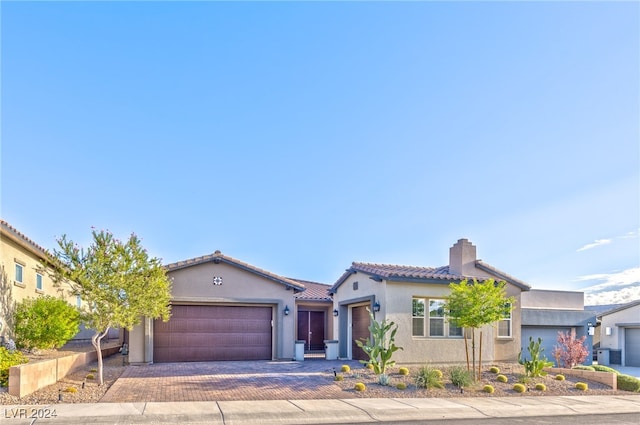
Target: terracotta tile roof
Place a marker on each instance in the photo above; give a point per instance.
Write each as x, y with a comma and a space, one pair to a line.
10, 232
314, 291
395, 272
218, 257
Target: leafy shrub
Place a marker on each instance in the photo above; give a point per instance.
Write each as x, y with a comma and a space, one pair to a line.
581, 367
90, 376
534, 366
488, 389
541, 387
599, 368
460, 376
559, 378
628, 383
582, 386
45, 322
429, 377
519, 388
360, 387
71, 390
502, 378
345, 368
9, 358
338, 378
494, 369
570, 351
401, 386
403, 371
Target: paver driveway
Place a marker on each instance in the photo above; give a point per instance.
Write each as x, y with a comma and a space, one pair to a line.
223, 381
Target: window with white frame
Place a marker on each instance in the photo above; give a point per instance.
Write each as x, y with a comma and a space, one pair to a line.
78, 301
19, 269
39, 284
504, 325
430, 319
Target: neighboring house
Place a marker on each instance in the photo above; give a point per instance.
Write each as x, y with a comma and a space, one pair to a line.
620, 335
412, 297
225, 309
545, 313
24, 267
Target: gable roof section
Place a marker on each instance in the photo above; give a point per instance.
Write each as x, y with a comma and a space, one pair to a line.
217, 258
314, 291
620, 308
394, 272
11, 233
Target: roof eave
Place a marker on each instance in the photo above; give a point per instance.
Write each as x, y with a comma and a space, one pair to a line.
217, 259
502, 275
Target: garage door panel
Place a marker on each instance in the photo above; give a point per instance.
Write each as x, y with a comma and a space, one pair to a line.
632, 347
206, 333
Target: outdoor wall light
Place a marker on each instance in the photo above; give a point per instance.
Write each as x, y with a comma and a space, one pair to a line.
286, 310
376, 307
335, 313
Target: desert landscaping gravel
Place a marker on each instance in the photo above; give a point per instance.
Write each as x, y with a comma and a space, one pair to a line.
113, 368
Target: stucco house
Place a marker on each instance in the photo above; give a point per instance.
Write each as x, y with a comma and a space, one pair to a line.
226, 309
620, 335
412, 297
23, 274
546, 312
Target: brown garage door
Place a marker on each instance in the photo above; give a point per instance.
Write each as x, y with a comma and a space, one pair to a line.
359, 330
198, 333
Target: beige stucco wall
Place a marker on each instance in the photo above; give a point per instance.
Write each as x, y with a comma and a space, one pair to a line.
346, 298
553, 300
11, 291
396, 305
194, 285
616, 339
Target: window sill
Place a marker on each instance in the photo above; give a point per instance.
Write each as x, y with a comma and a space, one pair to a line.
505, 338
19, 284
437, 337
39, 291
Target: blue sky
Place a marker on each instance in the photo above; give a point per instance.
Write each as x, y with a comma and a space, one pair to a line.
302, 136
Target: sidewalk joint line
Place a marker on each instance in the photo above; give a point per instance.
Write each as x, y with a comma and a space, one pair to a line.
221, 413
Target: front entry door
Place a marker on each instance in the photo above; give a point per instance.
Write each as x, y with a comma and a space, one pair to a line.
359, 330
311, 329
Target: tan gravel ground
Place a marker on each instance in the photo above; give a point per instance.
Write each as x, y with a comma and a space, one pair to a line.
513, 371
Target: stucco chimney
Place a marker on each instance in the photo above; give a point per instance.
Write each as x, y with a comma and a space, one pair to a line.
462, 258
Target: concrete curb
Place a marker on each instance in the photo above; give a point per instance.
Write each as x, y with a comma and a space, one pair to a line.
285, 412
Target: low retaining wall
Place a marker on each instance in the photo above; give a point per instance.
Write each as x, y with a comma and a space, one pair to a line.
606, 378
29, 377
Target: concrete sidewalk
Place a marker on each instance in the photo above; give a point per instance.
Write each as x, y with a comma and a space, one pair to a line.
283, 412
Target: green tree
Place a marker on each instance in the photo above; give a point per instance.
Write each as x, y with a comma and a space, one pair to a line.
475, 304
118, 282
45, 322
381, 347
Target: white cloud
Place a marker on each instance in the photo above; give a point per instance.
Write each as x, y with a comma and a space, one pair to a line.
630, 235
597, 242
611, 280
622, 296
